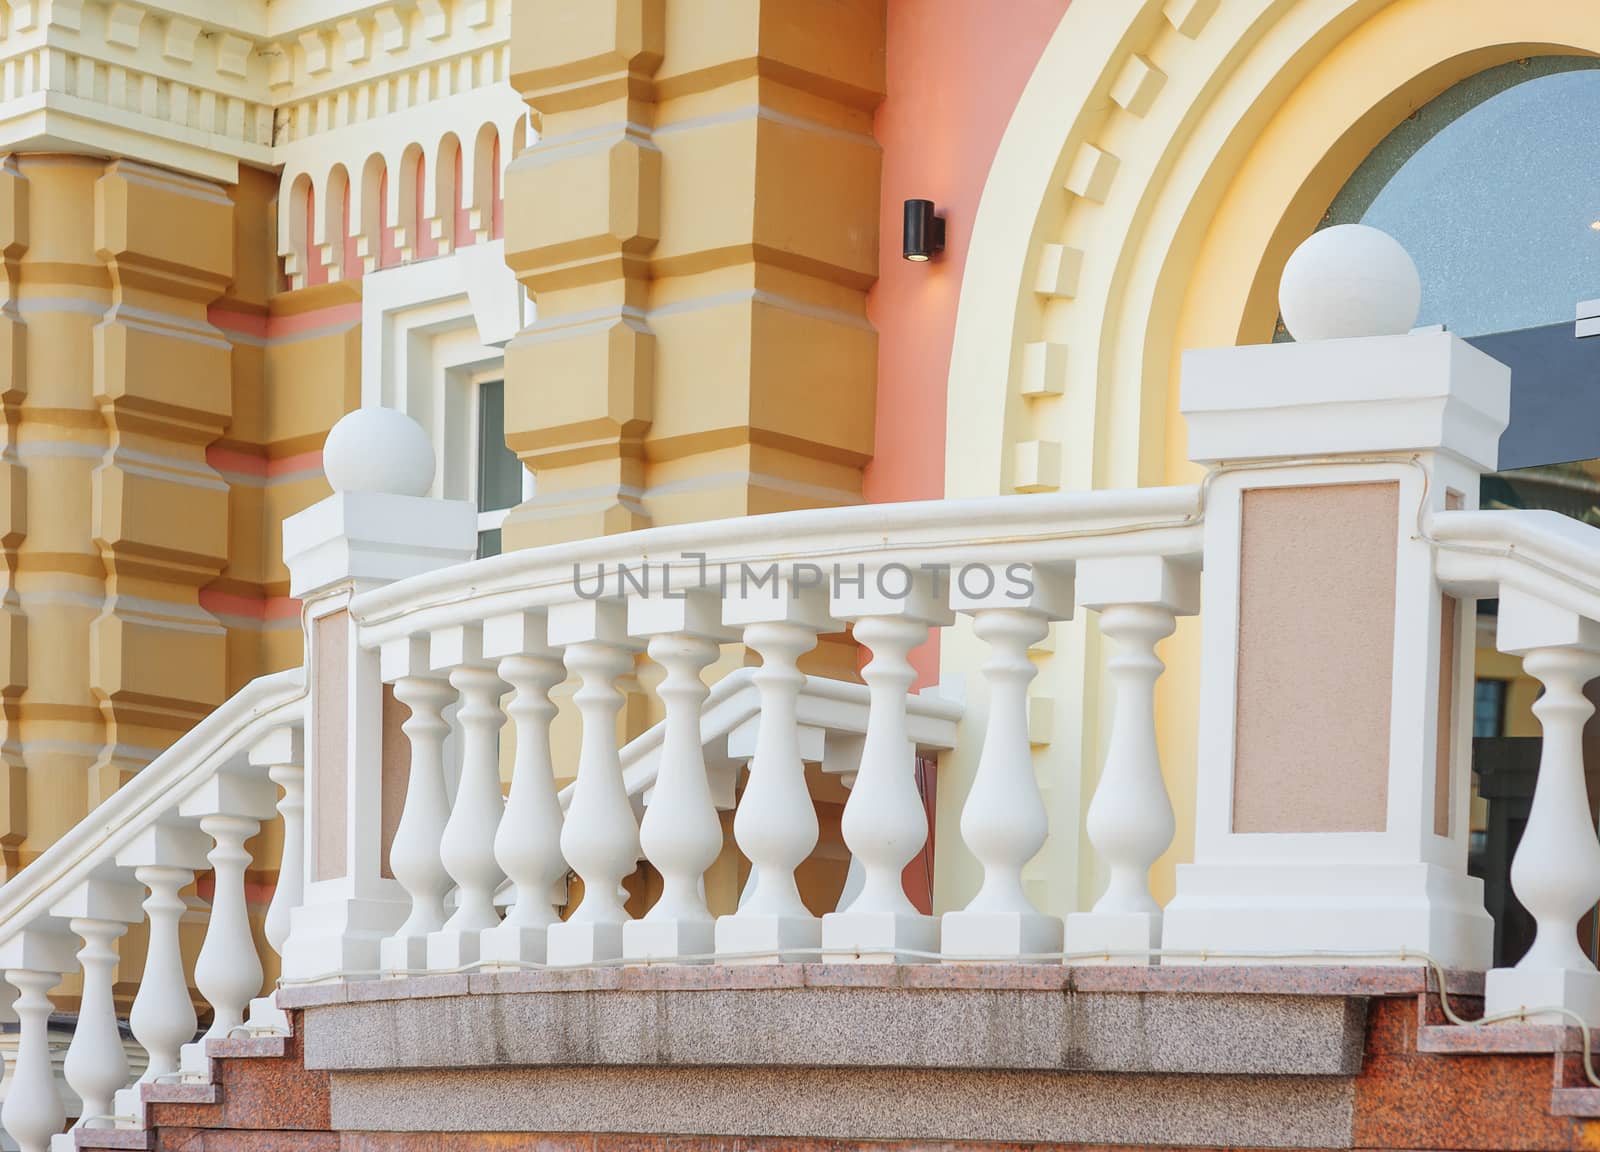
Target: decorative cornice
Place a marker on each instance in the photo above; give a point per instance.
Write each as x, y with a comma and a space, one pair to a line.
204, 85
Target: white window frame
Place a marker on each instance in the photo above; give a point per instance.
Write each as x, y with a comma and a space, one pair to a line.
493, 518
431, 332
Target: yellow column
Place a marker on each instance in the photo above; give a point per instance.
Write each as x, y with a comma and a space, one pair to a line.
699, 226
112, 384
13, 513
162, 382
62, 291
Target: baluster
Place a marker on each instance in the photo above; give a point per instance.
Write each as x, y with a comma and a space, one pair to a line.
841, 757
414, 853
163, 1016
228, 971
681, 834
230, 808
775, 825
32, 1113
96, 1066
528, 844
1556, 873
1130, 820
1004, 822
33, 961
164, 859
281, 754
467, 847
884, 823
600, 839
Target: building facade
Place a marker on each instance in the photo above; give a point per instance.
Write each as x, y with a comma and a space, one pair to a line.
637, 264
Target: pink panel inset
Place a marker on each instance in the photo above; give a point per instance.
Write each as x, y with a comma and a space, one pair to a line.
330, 715
1316, 658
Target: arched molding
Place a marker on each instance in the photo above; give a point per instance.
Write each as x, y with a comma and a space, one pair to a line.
1164, 159
1142, 124
377, 163
441, 193
332, 222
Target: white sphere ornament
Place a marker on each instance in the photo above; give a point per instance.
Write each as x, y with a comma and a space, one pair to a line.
378, 450
1349, 280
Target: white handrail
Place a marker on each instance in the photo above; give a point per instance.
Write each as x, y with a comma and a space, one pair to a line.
1033, 529
221, 738
1541, 552
1544, 568
832, 705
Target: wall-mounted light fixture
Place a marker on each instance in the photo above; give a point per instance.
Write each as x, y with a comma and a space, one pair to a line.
923, 238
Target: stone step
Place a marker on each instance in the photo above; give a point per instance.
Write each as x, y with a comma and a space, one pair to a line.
1501, 1039
179, 1092
112, 1137
1575, 1102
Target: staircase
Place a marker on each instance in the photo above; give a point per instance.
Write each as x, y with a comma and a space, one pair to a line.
1248, 1057
1280, 999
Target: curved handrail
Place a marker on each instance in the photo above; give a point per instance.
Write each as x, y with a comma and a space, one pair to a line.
734, 700
1056, 527
220, 738
1541, 552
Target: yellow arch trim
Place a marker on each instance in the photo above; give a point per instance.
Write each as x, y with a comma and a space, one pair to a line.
1263, 109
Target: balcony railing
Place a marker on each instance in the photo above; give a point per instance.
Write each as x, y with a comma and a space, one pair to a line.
1332, 553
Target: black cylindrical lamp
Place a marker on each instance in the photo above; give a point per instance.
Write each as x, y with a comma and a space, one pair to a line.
923, 236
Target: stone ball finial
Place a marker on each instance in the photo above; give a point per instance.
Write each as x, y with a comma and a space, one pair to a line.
1349, 280
378, 450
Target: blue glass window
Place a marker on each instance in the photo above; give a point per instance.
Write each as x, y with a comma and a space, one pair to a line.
1494, 188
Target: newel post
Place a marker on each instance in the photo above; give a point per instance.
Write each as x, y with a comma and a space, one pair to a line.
1336, 675
377, 527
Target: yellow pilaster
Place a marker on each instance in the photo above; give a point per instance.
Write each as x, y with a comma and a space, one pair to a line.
698, 225
163, 385
62, 292
13, 511
112, 384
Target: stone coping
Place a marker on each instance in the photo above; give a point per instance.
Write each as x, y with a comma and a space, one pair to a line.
178, 1093
123, 1138
1504, 1038
1575, 1102
246, 1046
1271, 979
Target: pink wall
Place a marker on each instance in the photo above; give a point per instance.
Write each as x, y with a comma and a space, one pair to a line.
955, 71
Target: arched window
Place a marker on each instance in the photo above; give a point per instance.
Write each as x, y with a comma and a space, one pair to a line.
1494, 188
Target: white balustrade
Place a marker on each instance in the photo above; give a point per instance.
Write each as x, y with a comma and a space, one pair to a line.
528, 843
600, 839
32, 1113
230, 809
33, 961
374, 562
96, 1065
1130, 820
283, 756
164, 858
192, 809
414, 853
1556, 873
163, 1018
841, 757
467, 847
775, 824
1003, 821
681, 834
884, 823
